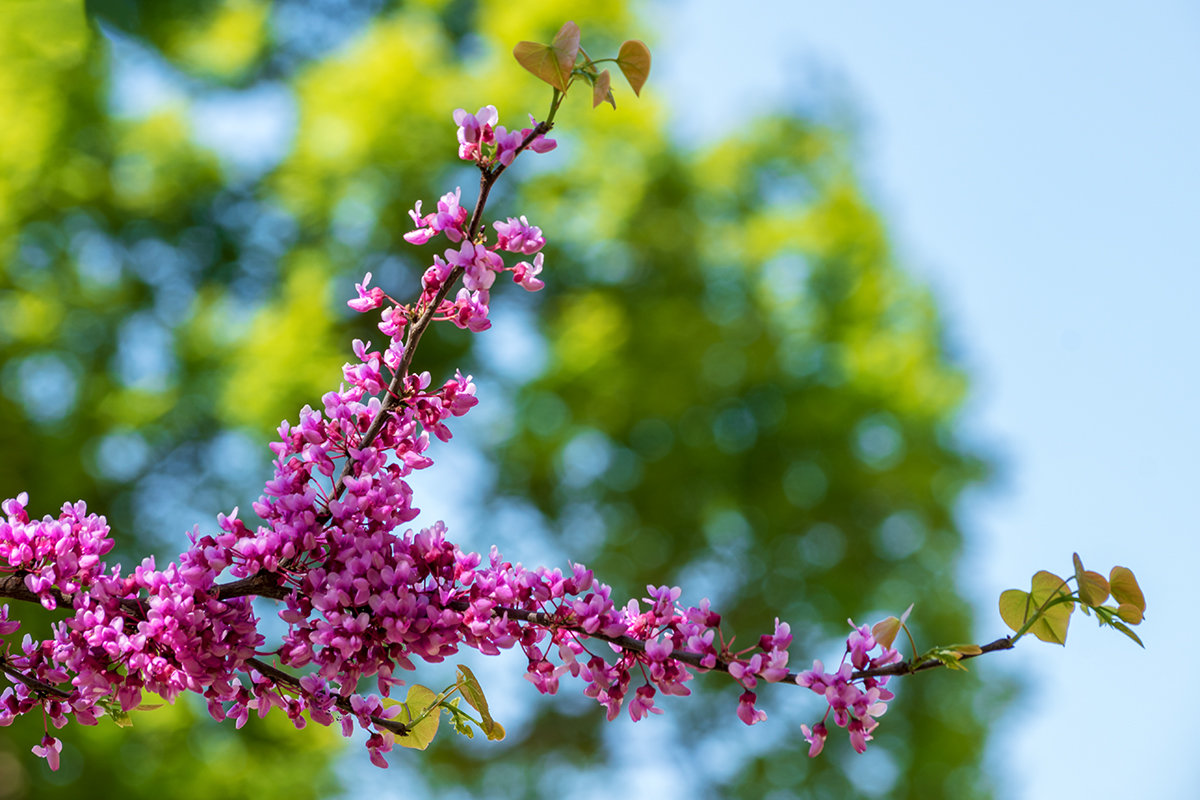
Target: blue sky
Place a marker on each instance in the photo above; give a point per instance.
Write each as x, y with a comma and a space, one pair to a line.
1038, 166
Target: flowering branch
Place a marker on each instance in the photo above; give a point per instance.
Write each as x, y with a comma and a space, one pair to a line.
362, 600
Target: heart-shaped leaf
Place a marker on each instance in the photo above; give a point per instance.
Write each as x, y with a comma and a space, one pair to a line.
551, 62
542, 61
1130, 613
1017, 607
1093, 588
1125, 588
566, 45
420, 699
634, 60
602, 91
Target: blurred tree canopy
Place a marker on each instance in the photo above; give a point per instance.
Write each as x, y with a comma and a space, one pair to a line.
728, 382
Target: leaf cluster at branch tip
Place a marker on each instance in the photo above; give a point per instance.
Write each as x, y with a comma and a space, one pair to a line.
1045, 610
563, 61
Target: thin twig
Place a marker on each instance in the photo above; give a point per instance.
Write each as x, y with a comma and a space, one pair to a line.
32, 683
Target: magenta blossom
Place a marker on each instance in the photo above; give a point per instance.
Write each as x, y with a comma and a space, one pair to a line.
518, 236
475, 130
526, 274
367, 300
449, 218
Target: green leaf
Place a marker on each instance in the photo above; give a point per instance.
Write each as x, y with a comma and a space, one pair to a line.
542, 61
460, 720
419, 701
1123, 628
566, 45
1130, 613
601, 90
1052, 627
551, 62
1093, 588
948, 656
634, 60
472, 692
120, 718
1125, 588
1017, 608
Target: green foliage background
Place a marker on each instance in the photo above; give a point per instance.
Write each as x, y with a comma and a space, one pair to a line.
730, 383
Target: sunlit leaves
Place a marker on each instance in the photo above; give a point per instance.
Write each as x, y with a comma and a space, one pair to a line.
1125, 588
473, 693
601, 90
634, 60
951, 656
1045, 610
1131, 606
551, 63
563, 60
1093, 588
420, 711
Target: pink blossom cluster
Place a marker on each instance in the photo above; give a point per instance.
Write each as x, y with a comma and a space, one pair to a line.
362, 598
158, 631
61, 553
482, 141
855, 705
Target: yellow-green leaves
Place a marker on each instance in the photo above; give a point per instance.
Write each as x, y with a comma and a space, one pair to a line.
602, 91
1093, 588
471, 691
1045, 610
951, 655
554, 62
884, 632
1125, 590
421, 712
563, 60
634, 60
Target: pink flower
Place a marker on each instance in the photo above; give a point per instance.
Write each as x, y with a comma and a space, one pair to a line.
643, 703
478, 265
367, 300
507, 145
49, 749
815, 738
475, 130
746, 712
526, 274
518, 236
541, 144
449, 218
